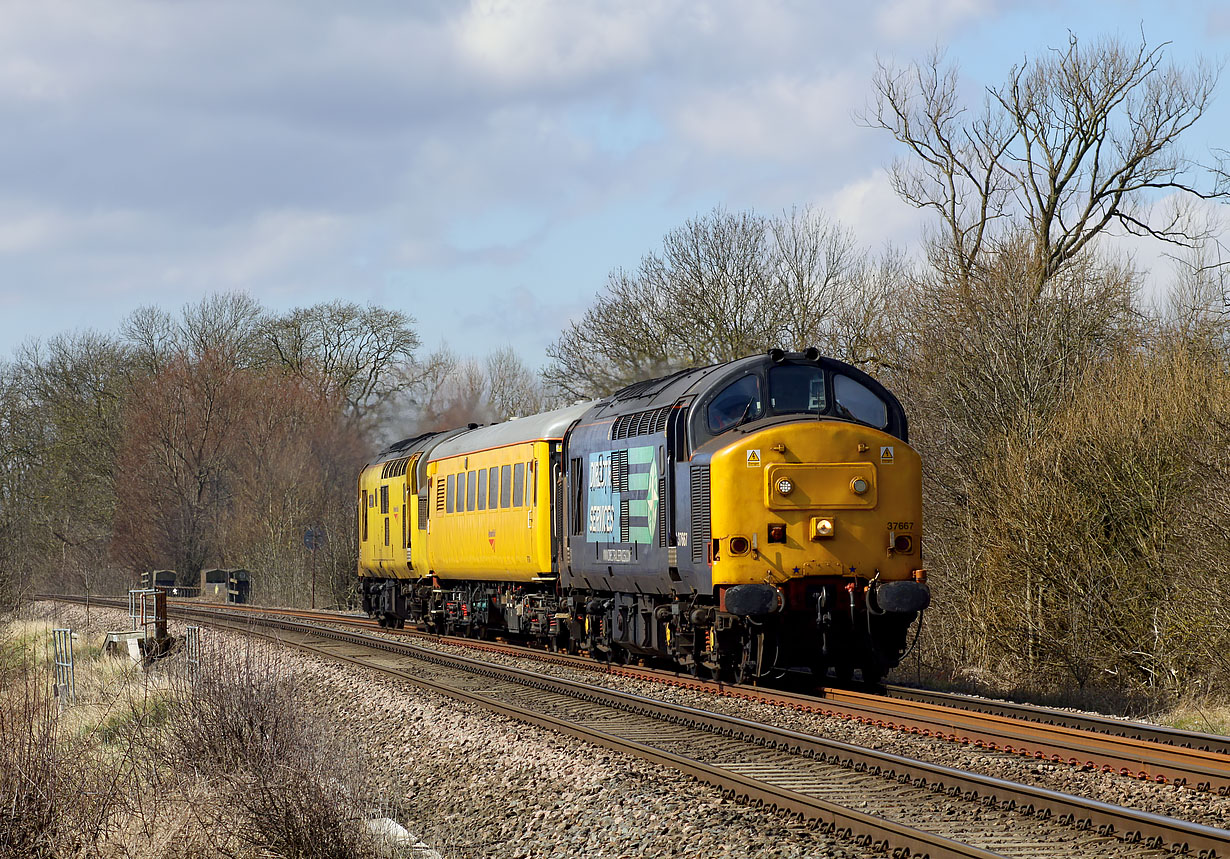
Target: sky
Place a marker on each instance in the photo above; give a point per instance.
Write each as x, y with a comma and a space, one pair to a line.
482, 166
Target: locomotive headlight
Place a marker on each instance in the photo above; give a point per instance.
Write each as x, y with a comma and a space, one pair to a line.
821, 528
785, 486
858, 486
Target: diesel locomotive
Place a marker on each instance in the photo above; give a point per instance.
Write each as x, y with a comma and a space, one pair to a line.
738, 520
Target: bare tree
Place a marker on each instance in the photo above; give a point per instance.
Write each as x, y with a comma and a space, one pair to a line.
225, 325
1076, 141
512, 389
451, 391
724, 285
342, 349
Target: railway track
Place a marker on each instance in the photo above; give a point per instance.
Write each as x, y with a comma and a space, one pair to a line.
1131, 749
902, 804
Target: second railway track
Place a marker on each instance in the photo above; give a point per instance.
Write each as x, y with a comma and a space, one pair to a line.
1147, 752
879, 798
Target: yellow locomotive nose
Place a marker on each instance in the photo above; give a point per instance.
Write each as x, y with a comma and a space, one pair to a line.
824, 499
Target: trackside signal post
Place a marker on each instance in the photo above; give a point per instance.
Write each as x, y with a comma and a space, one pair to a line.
313, 539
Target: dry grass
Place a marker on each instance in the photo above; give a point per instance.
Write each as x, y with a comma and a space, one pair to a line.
1204, 711
143, 765
1203, 716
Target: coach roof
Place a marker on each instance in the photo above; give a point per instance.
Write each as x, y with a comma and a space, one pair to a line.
548, 425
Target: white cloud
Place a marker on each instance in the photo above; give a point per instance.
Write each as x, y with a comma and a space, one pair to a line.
876, 215
27, 227
781, 117
536, 42
273, 244
906, 20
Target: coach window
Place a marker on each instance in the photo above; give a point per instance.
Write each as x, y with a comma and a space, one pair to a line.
531, 491
519, 484
471, 488
482, 489
493, 487
856, 401
505, 485
448, 494
738, 403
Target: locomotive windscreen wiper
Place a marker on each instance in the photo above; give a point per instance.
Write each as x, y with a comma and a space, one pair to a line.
746, 411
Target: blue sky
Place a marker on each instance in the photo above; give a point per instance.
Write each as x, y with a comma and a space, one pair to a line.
482, 166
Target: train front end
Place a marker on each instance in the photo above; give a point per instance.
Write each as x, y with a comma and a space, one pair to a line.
815, 520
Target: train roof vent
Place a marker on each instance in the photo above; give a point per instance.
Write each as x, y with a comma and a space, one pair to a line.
394, 468
647, 422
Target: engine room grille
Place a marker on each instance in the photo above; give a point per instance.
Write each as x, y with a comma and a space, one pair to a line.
424, 512
440, 486
394, 468
700, 512
663, 502
619, 470
641, 423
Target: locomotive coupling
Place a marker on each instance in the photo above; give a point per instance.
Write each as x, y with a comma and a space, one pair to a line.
901, 597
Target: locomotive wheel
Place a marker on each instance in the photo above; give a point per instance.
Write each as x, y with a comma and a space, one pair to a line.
843, 672
745, 668
872, 675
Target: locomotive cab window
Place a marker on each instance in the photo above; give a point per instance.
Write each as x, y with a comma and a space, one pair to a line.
856, 401
738, 403
796, 389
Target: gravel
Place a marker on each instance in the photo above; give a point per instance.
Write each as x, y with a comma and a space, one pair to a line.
471, 783
1183, 803
477, 784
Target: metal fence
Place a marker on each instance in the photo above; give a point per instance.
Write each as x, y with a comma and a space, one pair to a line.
141, 603
66, 675
192, 652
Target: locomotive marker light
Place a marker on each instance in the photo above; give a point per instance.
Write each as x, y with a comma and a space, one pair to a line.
785, 486
821, 528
